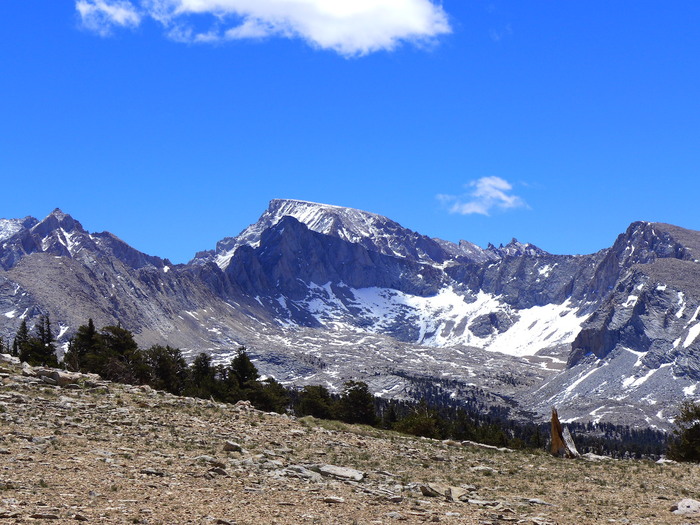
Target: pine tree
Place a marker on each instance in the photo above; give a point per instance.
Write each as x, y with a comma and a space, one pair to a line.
20, 345
85, 342
356, 404
168, 368
202, 377
685, 446
316, 401
243, 368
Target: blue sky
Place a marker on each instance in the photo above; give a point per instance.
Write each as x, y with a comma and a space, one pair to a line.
172, 123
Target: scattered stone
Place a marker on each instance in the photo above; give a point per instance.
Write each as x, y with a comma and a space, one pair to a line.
595, 457
483, 468
483, 503
211, 461
218, 471
231, 446
434, 490
6, 514
152, 472
80, 517
44, 516
458, 493
333, 499
687, 507
537, 501
396, 516
341, 473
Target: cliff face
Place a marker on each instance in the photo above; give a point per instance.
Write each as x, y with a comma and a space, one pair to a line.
321, 293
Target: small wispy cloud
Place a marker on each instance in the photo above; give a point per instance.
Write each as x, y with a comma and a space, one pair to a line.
485, 195
349, 27
102, 16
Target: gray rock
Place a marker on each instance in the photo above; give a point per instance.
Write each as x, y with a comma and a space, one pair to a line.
687, 507
341, 473
434, 490
232, 446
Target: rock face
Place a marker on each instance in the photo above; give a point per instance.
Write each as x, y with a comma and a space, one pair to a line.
321, 293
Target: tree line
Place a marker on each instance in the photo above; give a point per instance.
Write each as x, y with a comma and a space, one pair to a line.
113, 353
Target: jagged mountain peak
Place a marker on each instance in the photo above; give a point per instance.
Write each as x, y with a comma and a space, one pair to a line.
644, 242
373, 231
515, 248
57, 220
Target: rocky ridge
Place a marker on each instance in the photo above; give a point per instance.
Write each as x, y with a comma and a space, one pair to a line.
320, 294
75, 448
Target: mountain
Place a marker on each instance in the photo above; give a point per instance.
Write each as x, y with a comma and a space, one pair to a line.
320, 294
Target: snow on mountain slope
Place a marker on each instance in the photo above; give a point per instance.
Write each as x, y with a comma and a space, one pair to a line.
11, 227
445, 319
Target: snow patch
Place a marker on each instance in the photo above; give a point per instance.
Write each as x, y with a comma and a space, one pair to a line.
681, 304
631, 301
634, 382
693, 333
690, 390
11, 314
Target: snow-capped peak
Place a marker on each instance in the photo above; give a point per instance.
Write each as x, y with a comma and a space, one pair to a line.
375, 232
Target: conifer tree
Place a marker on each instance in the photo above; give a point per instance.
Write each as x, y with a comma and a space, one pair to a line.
356, 404
21, 340
243, 368
685, 445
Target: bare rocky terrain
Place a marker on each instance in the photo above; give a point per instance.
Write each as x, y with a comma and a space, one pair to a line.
74, 448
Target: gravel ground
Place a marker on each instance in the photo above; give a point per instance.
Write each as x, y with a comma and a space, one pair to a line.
98, 452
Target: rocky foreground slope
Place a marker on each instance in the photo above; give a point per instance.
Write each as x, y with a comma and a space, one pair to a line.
85, 450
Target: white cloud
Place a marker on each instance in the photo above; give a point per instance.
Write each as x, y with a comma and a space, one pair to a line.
349, 27
485, 195
101, 16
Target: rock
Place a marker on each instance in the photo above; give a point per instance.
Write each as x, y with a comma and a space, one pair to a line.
483, 503
434, 490
457, 493
537, 501
595, 457
44, 516
57, 377
482, 468
333, 499
211, 460
7, 358
218, 471
80, 517
687, 507
297, 471
341, 473
232, 446
396, 516
152, 472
